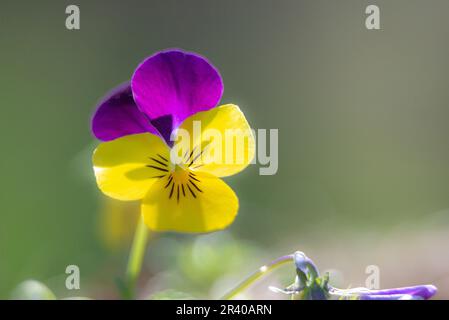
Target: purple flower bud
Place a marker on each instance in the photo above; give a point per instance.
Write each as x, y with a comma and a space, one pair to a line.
305, 265
309, 285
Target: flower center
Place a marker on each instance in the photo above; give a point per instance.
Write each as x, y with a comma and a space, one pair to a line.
181, 182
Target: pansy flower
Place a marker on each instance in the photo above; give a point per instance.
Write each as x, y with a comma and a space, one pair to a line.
140, 124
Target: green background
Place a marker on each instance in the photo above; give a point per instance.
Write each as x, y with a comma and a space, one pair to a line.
363, 136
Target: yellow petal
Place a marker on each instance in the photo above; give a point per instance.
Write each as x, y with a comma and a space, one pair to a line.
184, 204
127, 167
220, 141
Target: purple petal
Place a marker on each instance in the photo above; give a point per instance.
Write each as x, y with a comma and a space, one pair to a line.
423, 292
414, 293
173, 85
117, 115
388, 297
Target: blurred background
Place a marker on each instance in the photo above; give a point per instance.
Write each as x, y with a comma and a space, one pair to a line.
362, 115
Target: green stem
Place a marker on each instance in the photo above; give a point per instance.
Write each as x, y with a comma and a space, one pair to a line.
256, 275
136, 256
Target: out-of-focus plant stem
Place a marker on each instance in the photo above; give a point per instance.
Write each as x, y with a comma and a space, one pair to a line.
136, 256
256, 275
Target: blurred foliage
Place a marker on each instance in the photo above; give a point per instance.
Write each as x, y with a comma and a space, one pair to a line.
171, 295
196, 265
118, 220
32, 290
